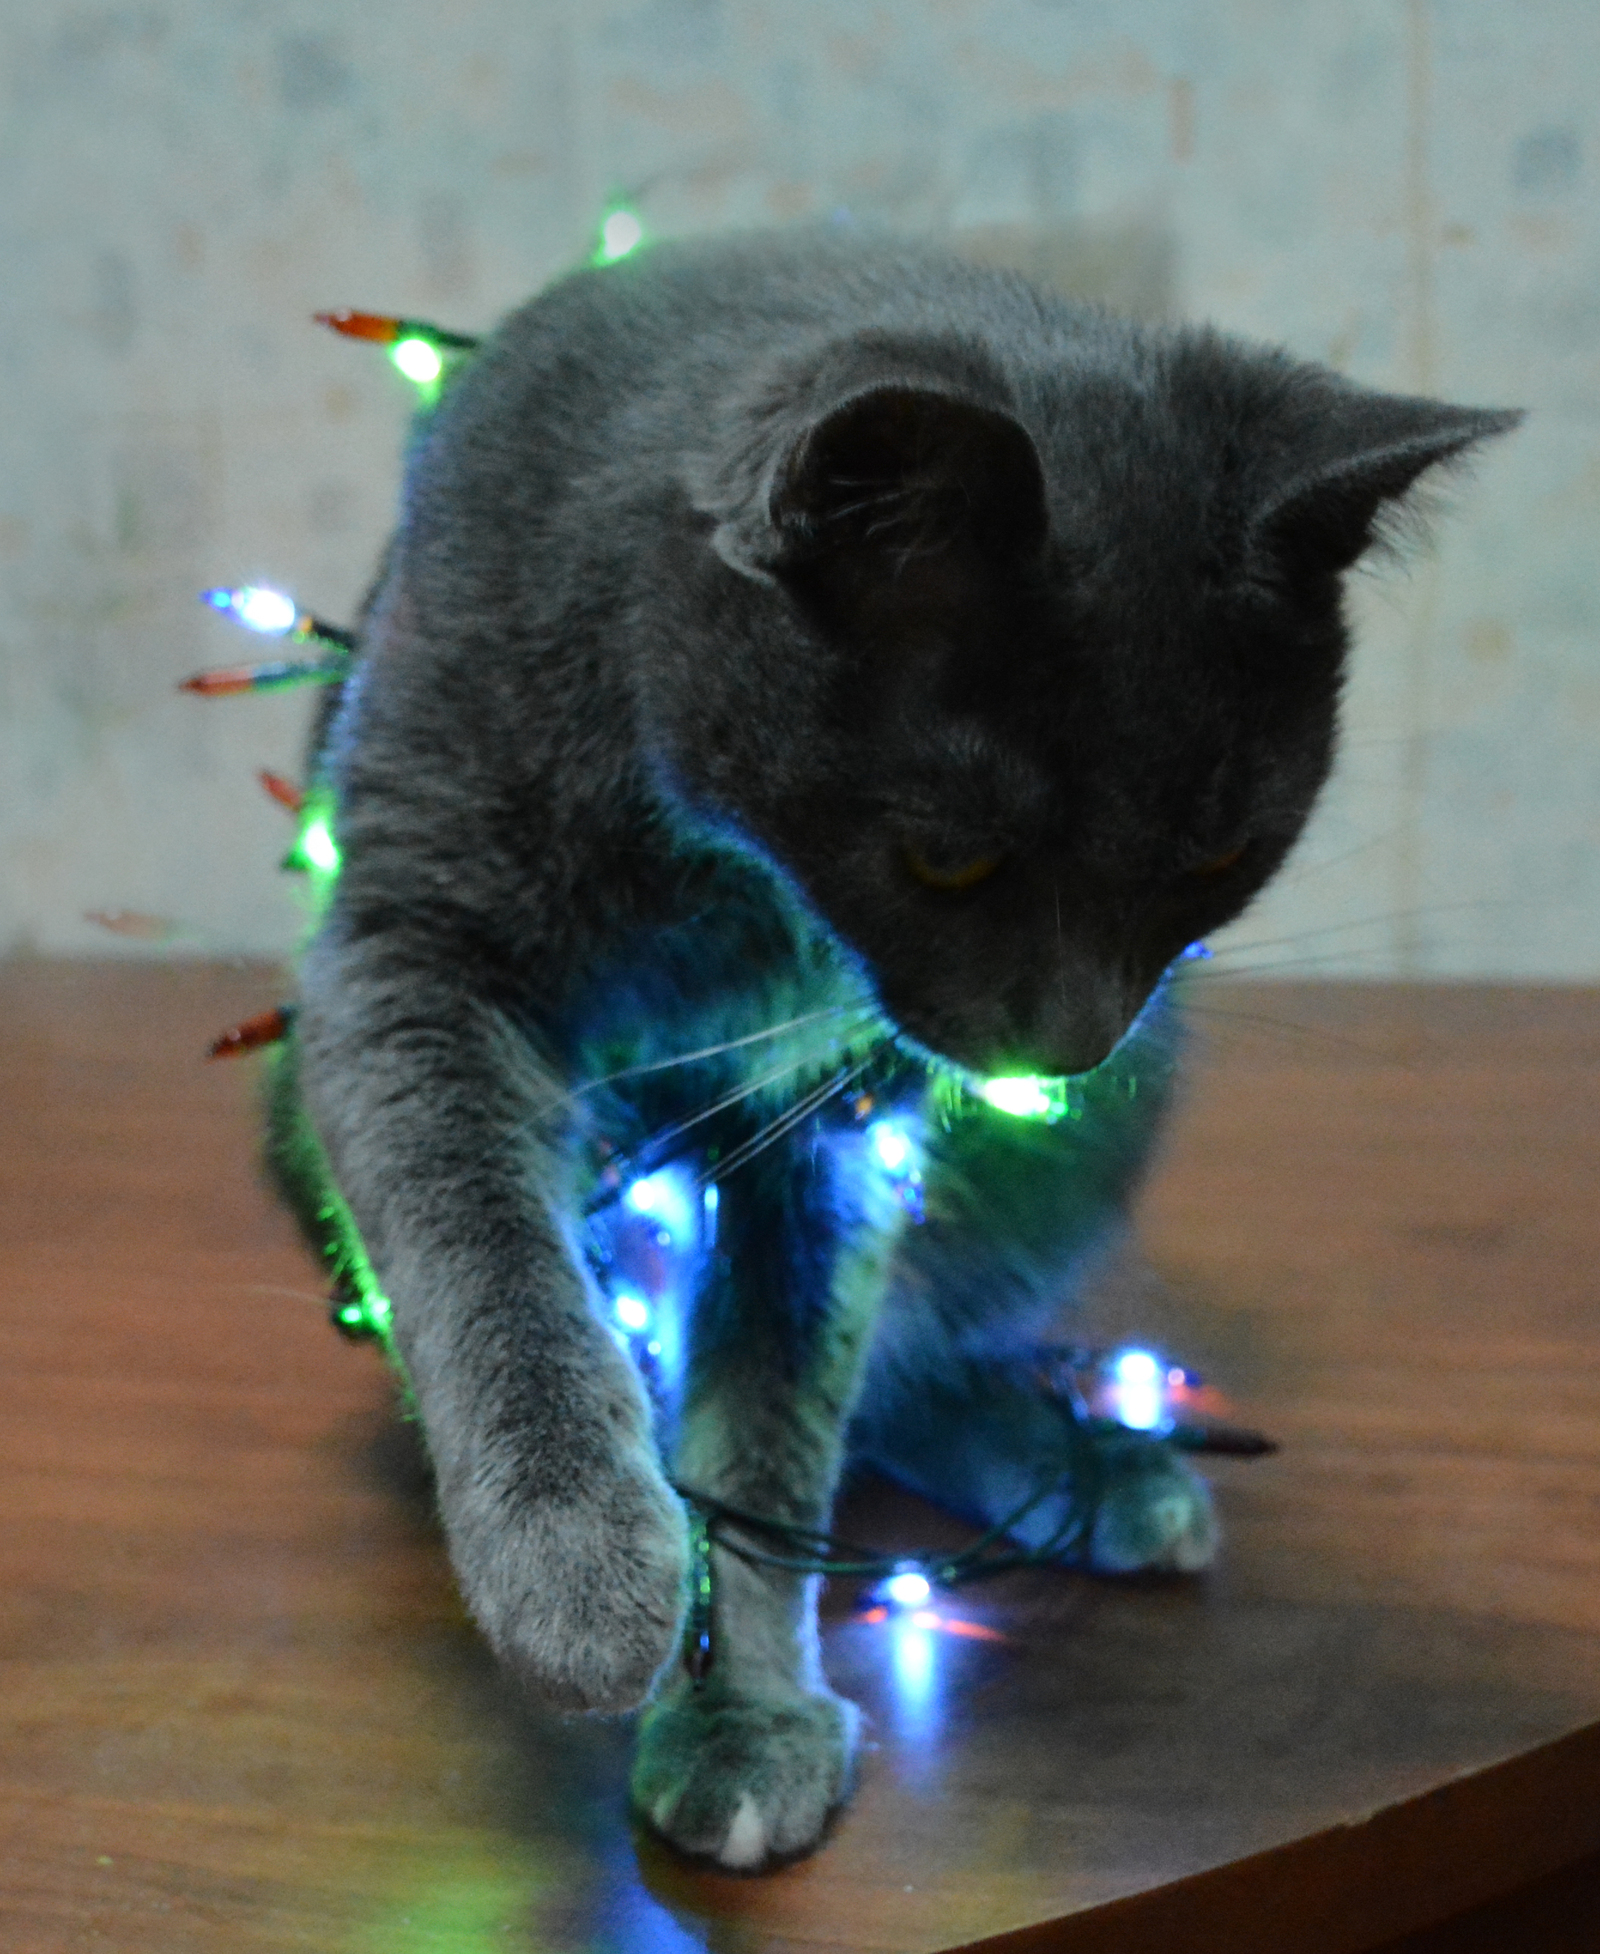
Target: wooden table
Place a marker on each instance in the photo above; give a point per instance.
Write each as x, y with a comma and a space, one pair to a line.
241, 1707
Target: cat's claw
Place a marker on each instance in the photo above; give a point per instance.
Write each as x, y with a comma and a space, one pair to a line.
744, 1783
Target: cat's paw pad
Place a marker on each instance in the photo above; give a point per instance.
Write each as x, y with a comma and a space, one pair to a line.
1154, 1516
742, 1782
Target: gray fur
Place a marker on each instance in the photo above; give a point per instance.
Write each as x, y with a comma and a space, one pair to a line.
731, 583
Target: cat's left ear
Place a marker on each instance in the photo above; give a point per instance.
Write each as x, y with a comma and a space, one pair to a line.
1374, 448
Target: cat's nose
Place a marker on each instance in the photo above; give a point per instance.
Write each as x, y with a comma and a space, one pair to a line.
1052, 1058
1079, 1028
1082, 1055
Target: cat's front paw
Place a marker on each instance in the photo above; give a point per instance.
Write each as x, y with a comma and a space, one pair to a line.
743, 1781
581, 1597
1154, 1516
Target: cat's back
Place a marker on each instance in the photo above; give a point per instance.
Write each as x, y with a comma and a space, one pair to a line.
609, 376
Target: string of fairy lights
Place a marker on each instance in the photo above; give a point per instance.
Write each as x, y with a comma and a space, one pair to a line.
1110, 1403
1140, 1389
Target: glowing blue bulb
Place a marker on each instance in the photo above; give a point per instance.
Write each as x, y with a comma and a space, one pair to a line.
1140, 1402
268, 611
646, 1196
1194, 951
907, 1589
890, 1145
632, 1312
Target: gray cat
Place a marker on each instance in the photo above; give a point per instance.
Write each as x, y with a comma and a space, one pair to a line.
805, 673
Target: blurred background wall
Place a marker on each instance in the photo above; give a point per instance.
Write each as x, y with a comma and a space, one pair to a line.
1406, 189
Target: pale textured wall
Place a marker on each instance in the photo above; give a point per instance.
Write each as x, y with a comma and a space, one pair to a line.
1406, 189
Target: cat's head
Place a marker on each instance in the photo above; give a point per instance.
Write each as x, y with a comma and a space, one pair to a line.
1035, 667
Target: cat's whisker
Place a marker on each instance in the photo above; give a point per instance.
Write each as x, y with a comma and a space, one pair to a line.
1369, 922
1298, 870
894, 493
864, 1015
778, 1128
1290, 1028
1225, 967
715, 1051
786, 1122
1338, 961
276, 1289
867, 502
752, 1086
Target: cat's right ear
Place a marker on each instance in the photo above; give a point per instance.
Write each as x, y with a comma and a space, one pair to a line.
1374, 449
895, 474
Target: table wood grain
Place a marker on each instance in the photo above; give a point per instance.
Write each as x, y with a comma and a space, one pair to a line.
241, 1706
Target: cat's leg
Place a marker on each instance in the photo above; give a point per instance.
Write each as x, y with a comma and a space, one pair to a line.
1017, 1209
982, 1438
450, 1140
745, 1766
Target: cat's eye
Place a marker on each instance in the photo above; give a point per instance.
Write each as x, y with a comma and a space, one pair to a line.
1221, 863
951, 873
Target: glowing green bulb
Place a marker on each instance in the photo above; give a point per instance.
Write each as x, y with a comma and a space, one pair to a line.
417, 359
361, 1309
377, 1311
319, 847
620, 233
1026, 1098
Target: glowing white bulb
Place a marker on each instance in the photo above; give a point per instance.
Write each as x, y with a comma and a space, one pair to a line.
268, 611
889, 1144
632, 1312
666, 1198
907, 1589
417, 359
619, 234
1136, 1390
265, 610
